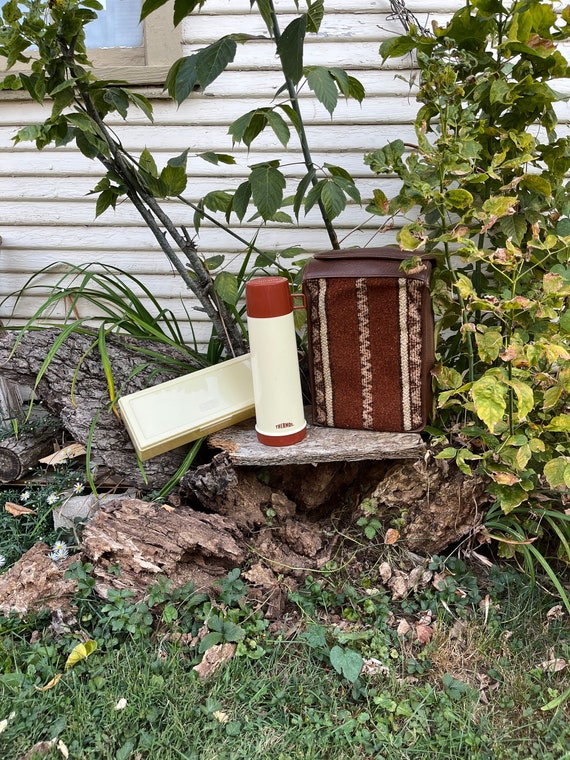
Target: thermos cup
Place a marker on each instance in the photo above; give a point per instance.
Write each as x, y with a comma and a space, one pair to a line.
279, 415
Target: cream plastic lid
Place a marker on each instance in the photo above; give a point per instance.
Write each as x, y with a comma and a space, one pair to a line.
171, 414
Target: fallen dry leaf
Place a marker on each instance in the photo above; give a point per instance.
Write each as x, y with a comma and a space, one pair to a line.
16, 510
372, 667
63, 749
424, 633
50, 684
168, 508
553, 666
213, 658
41, 748
221, 716
403, 627
392, 535
72, 451
121, 704
555, 613
385, 572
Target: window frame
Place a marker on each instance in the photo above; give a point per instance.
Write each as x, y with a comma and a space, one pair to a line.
144, 65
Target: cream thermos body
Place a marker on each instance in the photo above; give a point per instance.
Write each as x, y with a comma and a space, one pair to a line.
279, 414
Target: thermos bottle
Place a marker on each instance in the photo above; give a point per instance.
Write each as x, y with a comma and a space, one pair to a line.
279, 415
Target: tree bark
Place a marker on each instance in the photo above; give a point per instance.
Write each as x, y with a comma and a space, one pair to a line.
80, 394
22, 452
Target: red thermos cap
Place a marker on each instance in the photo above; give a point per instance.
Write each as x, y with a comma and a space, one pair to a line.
268, 297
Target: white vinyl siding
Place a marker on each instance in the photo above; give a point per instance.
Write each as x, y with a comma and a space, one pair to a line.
46, 214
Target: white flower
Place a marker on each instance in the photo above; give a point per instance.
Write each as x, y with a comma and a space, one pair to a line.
2, 560
25, 495
59, 551
78, 487
52, 498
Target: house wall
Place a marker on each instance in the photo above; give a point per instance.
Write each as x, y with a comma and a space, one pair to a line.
47, 216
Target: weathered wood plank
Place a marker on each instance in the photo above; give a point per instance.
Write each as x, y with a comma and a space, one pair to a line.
321, 445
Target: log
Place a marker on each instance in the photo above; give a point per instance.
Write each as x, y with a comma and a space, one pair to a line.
80, 396
18, 454
322, 444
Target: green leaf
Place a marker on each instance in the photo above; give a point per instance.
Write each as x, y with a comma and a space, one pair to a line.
267, 186
148, 164
565, 322
183, 8
174, 179
489, 396
213, 60
232, 631
489, 345
346, 662
463, 456
217, 158
333, 198
290, 49
501, 205
315, 15
396, 47
213, 262
248, 126
210, 640
182, 78
149, 6
226, 285
279, 126
448, 453
241, 199
300, 193
509, 497
217, 200
324, 86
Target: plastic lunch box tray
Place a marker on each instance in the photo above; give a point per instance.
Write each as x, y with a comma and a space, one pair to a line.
179, 411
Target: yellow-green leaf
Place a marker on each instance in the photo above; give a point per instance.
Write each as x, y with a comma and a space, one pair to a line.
80, 652
560, 424
557, 472
489, 345
525, 397
489, 396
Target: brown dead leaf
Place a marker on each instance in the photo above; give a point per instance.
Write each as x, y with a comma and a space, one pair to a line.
555, 613
168, 508
424, 633
373, 667
41, 748
72, 451
50, 684
213, 658
392, 535
403, 627
17, 510
554, 665
385, 572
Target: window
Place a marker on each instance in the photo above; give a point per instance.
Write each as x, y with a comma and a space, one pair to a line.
121, 48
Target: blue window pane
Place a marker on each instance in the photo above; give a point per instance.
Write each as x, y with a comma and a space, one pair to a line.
117, 25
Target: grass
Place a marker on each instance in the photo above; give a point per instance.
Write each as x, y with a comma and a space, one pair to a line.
461, 667
475, 690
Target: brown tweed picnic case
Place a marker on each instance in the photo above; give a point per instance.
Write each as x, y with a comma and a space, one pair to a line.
371, 339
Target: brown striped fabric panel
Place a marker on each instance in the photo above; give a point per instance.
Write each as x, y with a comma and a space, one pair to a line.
343, 342
415, 348
385, 344
366, 352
